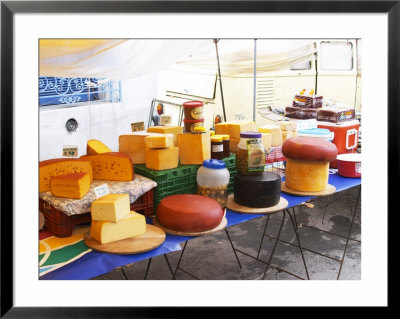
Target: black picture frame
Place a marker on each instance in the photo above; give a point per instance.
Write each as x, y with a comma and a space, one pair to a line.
9, 8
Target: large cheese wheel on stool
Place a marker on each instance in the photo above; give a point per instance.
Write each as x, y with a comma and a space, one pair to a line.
189, 213
307, 163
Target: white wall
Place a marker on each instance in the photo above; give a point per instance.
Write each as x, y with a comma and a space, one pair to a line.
103, 121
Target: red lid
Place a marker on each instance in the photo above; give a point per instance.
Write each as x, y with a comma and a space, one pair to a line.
193, 104
193, 121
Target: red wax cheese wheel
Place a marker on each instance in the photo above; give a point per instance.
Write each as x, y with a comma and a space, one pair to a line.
189, 213
309, 149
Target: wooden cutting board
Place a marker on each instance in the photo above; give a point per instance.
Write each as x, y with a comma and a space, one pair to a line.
232, 205
330, 189
153, 238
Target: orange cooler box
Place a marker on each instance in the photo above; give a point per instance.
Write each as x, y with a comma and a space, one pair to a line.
345, 136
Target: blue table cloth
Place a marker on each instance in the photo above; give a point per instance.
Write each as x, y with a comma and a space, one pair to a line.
94, 263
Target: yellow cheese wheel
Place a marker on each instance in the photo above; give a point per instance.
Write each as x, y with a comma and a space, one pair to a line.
306, 176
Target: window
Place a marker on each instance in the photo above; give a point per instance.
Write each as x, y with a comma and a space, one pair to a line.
336, 56
61, 91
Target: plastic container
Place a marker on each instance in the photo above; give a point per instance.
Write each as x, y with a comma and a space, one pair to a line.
250, 154
317, 132
345, 136
349, 165
193, 110
191, 124
199, 129
213, 180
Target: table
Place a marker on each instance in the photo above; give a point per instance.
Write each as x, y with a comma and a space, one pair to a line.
94, 264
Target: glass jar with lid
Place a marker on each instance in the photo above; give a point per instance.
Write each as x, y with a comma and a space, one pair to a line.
213, 179
217, 147
250, 154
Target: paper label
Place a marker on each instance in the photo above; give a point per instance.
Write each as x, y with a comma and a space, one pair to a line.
137, 126
256, 155
197, 112
217, 148
101, 190
165, 120
70, 151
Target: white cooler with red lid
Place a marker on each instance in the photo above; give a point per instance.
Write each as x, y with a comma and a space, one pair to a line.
345, 136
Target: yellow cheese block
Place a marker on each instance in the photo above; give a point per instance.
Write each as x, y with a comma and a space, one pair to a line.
306, 176
194, 148
133, 224
162, 158
74, 185
266, 140
134, 145
110, 207
276, 132
96, 147
112, 166
287, 134
233, 128
161, 141
167, 130
233, 145
287, 125
61, 166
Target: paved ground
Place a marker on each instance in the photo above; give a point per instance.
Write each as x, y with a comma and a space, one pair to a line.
322, 236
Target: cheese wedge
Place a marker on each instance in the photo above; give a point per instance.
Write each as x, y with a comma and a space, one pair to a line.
266, 140
61, 166
133, 224
113, 166
162, 158
276, 132
75, 185
110, 207
234, 128
194, 148
134, 145
167, 130
96, 147
287, 125
159, 141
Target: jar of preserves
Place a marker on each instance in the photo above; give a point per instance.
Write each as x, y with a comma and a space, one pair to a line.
213, 179
217, 147
250, 154
225, 143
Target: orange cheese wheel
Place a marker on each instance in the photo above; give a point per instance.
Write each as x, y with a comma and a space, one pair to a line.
309, 149
189, 213
112, 166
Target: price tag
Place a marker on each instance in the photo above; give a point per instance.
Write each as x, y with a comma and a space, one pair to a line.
70, 151
165, 120
137, 126
101, 190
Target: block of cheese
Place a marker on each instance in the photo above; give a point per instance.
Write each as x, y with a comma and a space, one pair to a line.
287, 125
133, 144
96, 147
113, 166
110, 207
194, 148
159, 141
233, 143
75, 185
266, 140
133, 224
162, 158
61, 166
233, 128
287, 134
167, 130
275, 130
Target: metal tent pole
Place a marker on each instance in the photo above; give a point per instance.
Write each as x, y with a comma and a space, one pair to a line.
255, 80
219, 77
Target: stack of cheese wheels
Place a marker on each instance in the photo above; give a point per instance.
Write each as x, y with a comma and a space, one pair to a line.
189, 213
307, 164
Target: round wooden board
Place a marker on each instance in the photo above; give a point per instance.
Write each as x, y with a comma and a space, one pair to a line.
232, 205
153, 238
221, 226
330, 189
